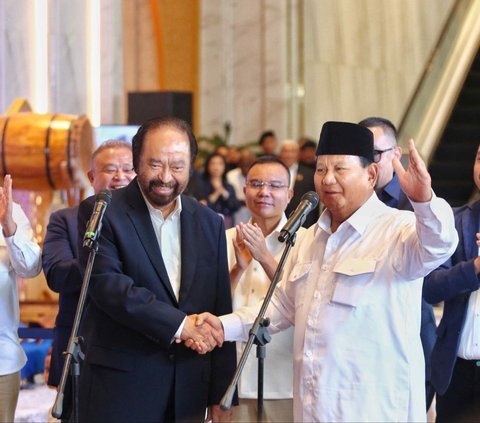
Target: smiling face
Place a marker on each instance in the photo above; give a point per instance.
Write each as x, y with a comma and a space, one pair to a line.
343, 184
112, 168
164, 166
266, 203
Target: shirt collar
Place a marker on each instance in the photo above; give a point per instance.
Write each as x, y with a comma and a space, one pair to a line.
358, 220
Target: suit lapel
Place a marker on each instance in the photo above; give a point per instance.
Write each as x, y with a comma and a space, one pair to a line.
189, 226
140, 217
470, 228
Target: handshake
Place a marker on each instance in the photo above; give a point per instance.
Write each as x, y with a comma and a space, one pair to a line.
202, 332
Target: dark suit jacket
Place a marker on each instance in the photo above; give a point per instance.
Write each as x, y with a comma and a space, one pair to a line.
132, 370
303, 183
393, 196
453, 282
61, 267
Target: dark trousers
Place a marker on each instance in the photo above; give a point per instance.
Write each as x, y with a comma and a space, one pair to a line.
461, 401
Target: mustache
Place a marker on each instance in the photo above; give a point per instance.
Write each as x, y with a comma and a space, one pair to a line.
161, 184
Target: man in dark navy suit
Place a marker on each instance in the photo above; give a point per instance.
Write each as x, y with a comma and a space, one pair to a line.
111, 167
301, 180
161, 260
390, 193
456, 355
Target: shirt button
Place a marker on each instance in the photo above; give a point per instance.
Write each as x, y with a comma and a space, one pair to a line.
324, 267
316, 294
308, 353
310, 322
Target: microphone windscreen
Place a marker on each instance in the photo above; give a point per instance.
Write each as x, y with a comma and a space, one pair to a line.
311, 197
104, 195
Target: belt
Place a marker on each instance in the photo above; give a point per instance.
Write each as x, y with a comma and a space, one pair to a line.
468, 362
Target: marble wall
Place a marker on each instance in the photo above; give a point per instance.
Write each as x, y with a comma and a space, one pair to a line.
67, 56
243, 68
365, 57
287, 65
292, 65
16, 43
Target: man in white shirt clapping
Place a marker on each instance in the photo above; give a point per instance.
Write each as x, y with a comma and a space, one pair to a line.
253, 254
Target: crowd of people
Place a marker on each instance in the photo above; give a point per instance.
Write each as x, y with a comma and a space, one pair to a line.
186, 256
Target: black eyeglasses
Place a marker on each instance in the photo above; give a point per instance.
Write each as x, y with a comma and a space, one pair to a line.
377, 154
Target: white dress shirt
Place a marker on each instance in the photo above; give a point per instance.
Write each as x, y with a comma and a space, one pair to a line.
250, 290
236, 179
354, 297
19, 256
469, 348
167, 232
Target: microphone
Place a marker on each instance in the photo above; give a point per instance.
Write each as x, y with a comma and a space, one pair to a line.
308, 202
94, 225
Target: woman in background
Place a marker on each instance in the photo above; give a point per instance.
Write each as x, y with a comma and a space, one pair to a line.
219, 195
19, 256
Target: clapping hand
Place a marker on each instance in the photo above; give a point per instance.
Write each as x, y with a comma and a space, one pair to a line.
6, 220
254, 240
242, 253
415, 182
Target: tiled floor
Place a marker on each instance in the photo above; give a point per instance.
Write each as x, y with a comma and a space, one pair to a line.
34, 405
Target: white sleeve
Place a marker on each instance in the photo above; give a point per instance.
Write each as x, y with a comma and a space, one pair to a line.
24, 252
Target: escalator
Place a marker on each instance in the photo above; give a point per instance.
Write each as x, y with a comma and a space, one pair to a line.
443, 115
451, 166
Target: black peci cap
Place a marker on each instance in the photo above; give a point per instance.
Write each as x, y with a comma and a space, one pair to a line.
346, 138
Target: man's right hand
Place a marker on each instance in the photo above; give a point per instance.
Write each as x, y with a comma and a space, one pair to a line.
210, 319
201, 337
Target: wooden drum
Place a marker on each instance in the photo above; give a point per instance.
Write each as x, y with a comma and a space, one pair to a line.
45, 151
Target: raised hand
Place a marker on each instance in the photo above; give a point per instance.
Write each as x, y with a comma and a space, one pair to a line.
6, 219
415, 182
203, 337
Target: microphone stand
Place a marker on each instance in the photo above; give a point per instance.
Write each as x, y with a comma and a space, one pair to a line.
258, 335
74, 353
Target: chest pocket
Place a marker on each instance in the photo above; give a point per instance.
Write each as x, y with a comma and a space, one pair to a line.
297, 282
354, 276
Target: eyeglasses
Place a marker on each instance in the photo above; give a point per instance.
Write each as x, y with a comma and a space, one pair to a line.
271, 186
377, 154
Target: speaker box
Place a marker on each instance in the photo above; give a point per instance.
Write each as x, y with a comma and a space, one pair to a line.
146, 105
